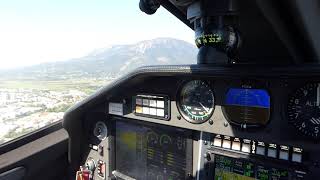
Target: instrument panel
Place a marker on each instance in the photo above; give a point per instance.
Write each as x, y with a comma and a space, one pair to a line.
253, 110
248, 105
268, 122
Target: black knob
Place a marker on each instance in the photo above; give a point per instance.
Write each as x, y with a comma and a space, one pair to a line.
149, 6
207, 156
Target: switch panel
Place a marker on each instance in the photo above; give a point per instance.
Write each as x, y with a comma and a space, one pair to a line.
101, 169
153, 106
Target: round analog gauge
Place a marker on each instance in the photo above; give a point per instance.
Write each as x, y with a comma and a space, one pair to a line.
152, 138
100, 130
165, 140
304, 109
196, 101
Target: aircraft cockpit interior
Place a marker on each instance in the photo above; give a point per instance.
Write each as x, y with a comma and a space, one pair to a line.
249, 109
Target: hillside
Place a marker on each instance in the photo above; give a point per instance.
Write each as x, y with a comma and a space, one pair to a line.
113, 61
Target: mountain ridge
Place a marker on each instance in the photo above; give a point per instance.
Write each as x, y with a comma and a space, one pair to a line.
113, 61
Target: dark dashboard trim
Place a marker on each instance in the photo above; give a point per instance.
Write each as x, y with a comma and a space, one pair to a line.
75, 115
22, 156
32, 136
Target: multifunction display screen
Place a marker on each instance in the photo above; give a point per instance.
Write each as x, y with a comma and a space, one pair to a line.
153, 152
247, 106
227, 168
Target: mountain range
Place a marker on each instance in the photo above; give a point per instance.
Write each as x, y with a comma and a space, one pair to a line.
113, 61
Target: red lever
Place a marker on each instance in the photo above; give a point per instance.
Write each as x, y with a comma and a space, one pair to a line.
83, 174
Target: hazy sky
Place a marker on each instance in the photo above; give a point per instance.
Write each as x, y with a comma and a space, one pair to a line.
35, 31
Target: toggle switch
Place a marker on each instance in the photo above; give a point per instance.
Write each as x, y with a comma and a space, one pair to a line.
100, 150
101, 167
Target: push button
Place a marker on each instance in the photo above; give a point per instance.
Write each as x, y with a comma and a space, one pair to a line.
246, 146
272, 150
297, 155
236, 144
284, 153
217, 141
261, 149
153, 103
160, 104
226, 142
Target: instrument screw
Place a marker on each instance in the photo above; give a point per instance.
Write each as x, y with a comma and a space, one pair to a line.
225, 124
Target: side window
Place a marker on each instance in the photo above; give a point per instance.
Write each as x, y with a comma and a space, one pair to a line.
56, 53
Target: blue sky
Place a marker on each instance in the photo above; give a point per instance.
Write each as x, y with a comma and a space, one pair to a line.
37, 31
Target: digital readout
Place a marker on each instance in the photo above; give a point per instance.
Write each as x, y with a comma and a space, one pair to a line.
227, 168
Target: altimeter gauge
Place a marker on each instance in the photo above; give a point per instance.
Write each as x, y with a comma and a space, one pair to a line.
304, 110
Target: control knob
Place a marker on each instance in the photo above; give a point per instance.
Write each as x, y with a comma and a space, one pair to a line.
90, 164
100, 130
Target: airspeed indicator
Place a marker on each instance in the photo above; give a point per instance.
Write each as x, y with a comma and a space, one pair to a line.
196, 101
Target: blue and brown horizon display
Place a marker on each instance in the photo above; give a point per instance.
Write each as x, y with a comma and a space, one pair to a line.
244, 106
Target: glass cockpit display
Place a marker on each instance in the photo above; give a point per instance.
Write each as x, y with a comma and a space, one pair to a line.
227, 168
247, 107
147, 153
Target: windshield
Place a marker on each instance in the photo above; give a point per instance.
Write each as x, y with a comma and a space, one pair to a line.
56, 53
